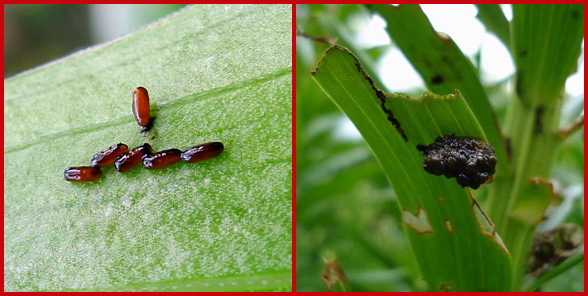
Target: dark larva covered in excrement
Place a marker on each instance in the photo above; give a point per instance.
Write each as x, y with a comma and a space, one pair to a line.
471, 161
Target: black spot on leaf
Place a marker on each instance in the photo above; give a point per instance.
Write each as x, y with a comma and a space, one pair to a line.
437, 79
575, 14
471, 161
538, 120
507, 145
519, 84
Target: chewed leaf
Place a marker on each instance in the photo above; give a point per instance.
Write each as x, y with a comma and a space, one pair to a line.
436, 212
419, 223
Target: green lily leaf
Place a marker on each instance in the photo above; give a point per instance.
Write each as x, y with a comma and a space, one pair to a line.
546, 47
442, 65
214, 73
455, 243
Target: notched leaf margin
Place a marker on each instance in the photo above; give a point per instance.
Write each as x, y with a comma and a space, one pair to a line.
379, 93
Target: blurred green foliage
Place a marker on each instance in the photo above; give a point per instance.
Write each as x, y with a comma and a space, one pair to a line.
38, 33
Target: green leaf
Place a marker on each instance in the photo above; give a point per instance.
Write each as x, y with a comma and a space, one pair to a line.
454, 242
494, 21
546, 46
546, 43
442, 65
214, 73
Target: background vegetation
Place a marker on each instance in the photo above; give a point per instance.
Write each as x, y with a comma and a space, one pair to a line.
344, 205
38, 33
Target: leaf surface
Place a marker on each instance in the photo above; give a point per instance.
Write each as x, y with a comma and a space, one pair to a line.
214, 73
454, 242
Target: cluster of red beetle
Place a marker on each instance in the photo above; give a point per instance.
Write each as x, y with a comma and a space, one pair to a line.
125, 160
